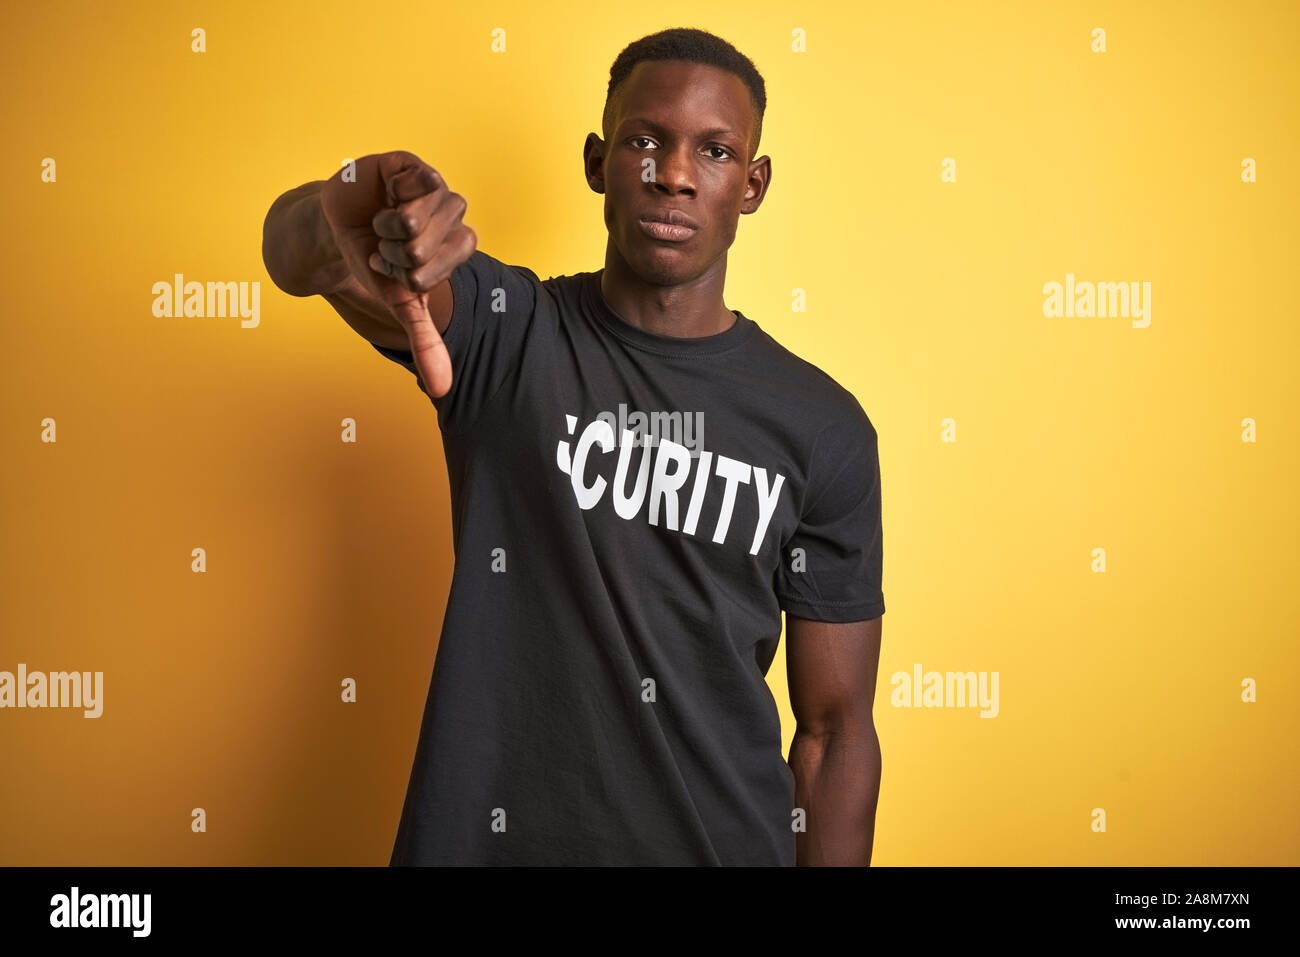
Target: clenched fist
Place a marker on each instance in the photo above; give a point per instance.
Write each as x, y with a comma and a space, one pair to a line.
399, 229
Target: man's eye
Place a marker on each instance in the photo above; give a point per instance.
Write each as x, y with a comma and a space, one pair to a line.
725, 152
635, 138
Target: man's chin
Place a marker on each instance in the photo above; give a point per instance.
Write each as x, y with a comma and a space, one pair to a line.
663, 265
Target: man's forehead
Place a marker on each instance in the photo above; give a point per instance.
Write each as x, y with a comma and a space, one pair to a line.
667, 89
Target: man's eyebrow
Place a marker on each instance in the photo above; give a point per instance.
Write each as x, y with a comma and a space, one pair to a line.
651, 124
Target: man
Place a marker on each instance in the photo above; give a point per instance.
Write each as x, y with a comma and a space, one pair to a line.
641, 480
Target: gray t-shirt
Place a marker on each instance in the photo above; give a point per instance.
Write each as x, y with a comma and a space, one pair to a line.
598, 694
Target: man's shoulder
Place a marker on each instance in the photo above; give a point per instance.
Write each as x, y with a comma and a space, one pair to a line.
821, 394
566, 283
486, 266
562, 291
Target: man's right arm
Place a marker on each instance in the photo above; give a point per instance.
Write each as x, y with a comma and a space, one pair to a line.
303, 259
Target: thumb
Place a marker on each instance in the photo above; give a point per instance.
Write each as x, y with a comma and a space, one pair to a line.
427, 348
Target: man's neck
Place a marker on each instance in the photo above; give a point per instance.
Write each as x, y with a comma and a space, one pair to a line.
689, 310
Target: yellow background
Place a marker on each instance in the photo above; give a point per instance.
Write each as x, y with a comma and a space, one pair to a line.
325, 560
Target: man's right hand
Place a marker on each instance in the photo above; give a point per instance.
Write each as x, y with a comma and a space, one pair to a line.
399, 230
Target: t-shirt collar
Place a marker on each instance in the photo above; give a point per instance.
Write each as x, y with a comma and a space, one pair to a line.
639, 338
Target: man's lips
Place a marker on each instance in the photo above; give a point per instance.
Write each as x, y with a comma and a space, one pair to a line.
673, 217
671, 225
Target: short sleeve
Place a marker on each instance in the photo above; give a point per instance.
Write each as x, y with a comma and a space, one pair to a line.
492, 306
831, 567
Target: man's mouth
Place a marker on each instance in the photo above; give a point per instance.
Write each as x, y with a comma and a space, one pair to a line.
671, 225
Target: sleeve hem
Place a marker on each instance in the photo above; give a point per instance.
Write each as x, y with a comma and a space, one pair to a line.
459, 305
833, 611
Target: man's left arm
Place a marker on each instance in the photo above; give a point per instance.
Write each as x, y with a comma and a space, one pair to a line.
835, 754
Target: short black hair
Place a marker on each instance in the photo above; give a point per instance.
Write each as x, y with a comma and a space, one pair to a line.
695, 46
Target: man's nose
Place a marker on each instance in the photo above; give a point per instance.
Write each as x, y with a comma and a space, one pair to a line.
674, 173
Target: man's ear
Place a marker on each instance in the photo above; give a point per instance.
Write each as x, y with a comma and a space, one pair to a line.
760, 178
593, 162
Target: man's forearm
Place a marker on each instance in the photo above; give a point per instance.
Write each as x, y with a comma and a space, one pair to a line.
837, 783
298, 246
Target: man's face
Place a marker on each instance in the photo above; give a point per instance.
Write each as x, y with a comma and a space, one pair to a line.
694, 124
